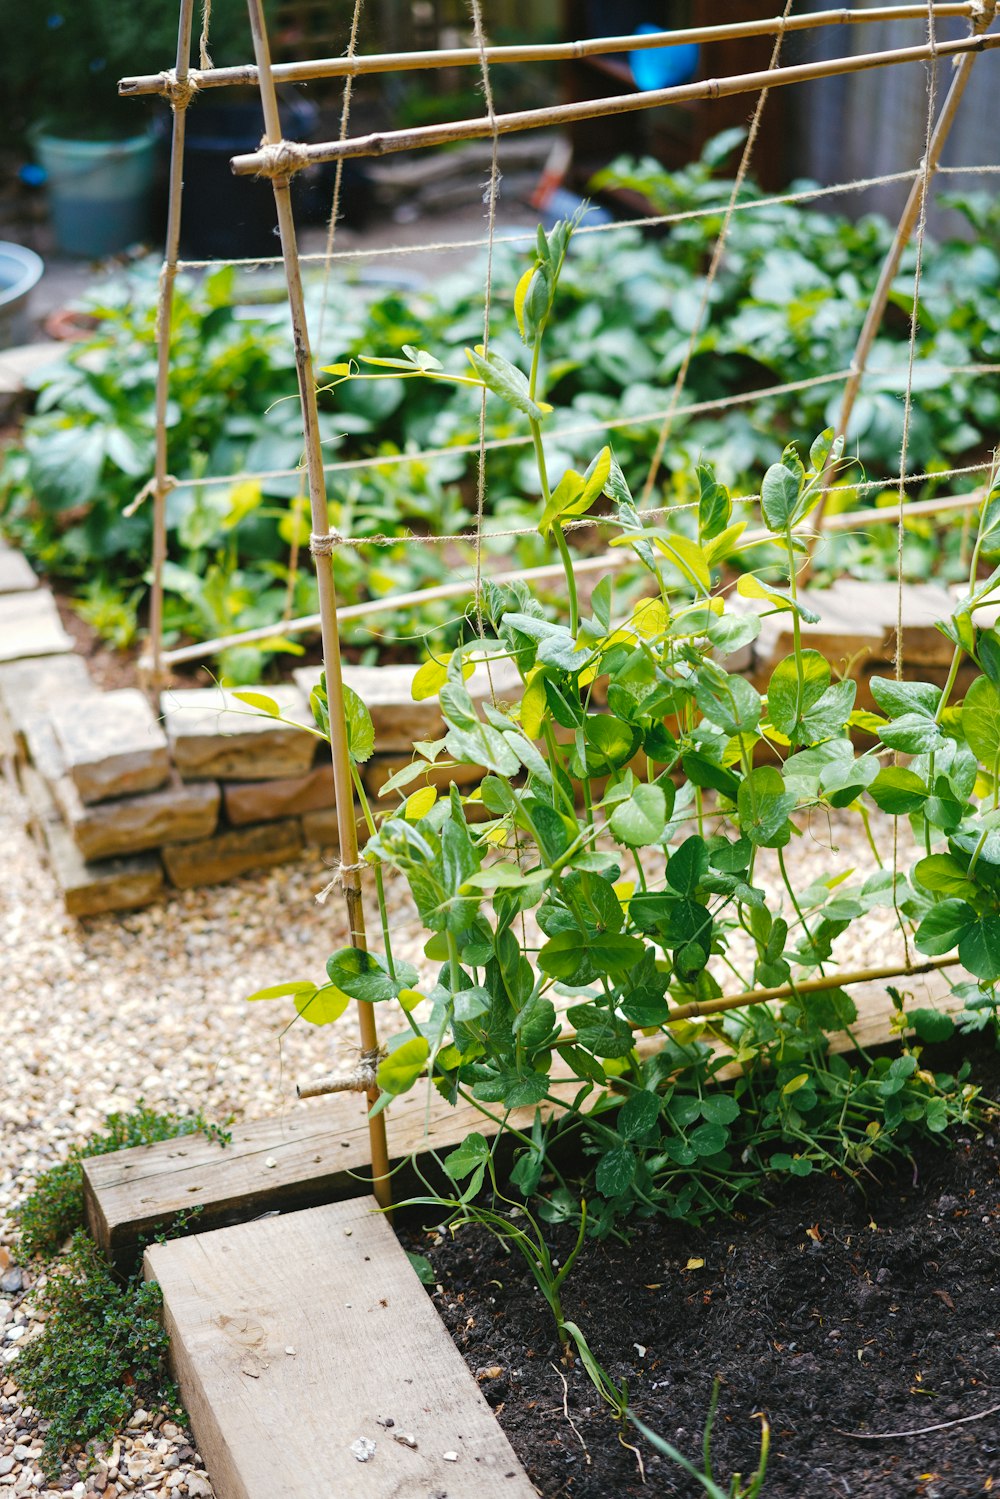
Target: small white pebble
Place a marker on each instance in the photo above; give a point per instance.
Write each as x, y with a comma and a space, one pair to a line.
450, 1457
639, 1349
407, 1439
270, 1163
290, 1352
348, 1304
348, 1232
363, 1449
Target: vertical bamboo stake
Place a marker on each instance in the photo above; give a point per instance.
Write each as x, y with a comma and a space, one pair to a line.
180, 97
904, 231
343, 786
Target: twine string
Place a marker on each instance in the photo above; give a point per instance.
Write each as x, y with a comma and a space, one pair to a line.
338, 176
204, 56
716, 261
649, 221
337, 880
491, 194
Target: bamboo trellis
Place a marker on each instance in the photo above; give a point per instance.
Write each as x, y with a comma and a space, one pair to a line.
280, 160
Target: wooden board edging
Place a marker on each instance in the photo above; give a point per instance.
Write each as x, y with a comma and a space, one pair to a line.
293, 1337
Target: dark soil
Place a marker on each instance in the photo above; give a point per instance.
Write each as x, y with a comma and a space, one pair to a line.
831, 1311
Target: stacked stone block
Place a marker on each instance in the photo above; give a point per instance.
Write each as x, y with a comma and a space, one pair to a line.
129, 803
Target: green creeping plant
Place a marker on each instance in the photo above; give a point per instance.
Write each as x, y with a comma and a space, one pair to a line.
607, 869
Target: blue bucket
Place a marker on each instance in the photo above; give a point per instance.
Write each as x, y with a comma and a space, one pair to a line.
99, 192
662, 67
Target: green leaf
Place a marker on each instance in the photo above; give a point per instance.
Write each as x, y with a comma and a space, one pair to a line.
943, 873
931, 1025
779, 496
896, 698
462, 1161
282, 991
569, 954
787, 701
708, 1138
323, 1006
714, 504
720, 1108
642, 819
534, 1024
404, 1066
575, 493
688, 865
943, 927
360, 730
763, 805
260, 701
638, 1115
361, 975
422, 1268
729, 702
507, 381
912, 733
515, 1089
979, 948
616, 1171
898, 791
980, 717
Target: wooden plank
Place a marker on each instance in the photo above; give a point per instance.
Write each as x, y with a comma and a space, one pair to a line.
293, 1337
857, 623
315, 1154
319, 1154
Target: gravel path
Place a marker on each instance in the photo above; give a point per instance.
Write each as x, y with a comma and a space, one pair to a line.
98, 1014
95, 1015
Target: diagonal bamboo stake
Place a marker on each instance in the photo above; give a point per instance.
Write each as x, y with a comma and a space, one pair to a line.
904, 232
151, 667
282, 158
467, 57
349, 871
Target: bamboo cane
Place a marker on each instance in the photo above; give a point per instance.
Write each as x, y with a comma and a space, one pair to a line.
151, 667
743, 1001
343, 786
459, 57
618, 557
880, 297
286, 157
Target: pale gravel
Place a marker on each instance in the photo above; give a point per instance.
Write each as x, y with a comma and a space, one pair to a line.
151, 1004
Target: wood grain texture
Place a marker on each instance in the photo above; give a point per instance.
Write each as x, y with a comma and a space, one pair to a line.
315, 1153
332, 1284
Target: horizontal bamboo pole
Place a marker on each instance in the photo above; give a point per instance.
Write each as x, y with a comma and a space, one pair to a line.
807, 986
464, 57
848, 520
743, 1001
286, 158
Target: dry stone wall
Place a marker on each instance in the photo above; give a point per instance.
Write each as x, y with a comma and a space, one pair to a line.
129, 802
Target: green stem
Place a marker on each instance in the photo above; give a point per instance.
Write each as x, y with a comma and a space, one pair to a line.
379, 885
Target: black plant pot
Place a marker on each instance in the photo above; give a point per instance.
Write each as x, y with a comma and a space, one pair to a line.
228, 217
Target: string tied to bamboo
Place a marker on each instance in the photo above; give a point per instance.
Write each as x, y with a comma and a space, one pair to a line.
337, 881
324, 544
152, 487
278, 159
179, 91
362, 1080
983, 14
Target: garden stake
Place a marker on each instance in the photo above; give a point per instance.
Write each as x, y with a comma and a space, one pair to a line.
907, 223
180, 92
458, 57
281, 158
322, 546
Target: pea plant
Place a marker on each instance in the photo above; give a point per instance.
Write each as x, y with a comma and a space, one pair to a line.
606, 878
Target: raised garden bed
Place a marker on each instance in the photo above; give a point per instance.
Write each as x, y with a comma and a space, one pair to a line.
832, 1308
